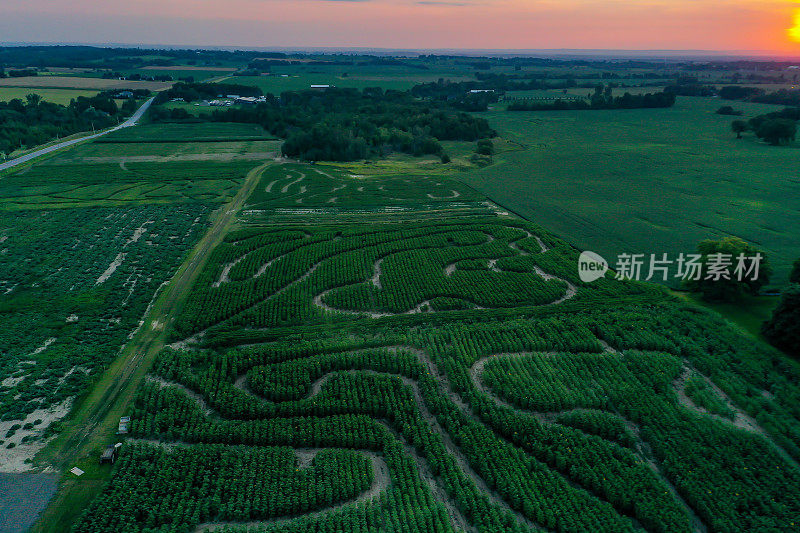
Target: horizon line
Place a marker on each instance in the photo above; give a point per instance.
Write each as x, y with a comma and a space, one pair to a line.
673, 53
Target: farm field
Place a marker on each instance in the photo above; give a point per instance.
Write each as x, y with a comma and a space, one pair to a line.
75, 283
76, 82
122, 183
447, 374
57, 96
647, 181
86, 247
166, 151
298, 77
385, 344
191, 132
277, 84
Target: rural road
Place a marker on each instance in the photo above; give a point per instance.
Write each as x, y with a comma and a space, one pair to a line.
38, 153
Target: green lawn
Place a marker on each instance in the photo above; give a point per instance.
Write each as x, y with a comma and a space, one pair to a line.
647, 181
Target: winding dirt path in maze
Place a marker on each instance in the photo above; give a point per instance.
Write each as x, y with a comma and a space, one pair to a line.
305, 456
740, 419
375, 279
571, 290
444, 387
642, 450
380, 484
425, 472
285, 188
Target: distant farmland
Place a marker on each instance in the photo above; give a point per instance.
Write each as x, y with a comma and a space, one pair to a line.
647, 181
57, 96
70, 82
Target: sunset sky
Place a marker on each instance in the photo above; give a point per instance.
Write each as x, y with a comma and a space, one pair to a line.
731, 25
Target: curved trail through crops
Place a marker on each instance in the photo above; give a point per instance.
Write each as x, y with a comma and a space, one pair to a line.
454, 194
431, 420
226, 270
642, 450
445, 388
296, 281
305, 457
285, 188
424, 470
570, 292
318, 300
380, 484
741, 419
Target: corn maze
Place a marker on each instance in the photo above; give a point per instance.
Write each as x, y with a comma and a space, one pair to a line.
443, 375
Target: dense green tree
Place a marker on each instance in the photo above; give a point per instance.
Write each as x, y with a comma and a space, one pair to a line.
783, 329
729, 270
739, 127
348, 124
777, 131
485, 147
728, 110
601, 99
794, 276
33, 122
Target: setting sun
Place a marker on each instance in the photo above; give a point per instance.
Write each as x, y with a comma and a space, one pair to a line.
794, 31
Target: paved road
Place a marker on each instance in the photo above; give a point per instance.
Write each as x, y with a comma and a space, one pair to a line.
38, 153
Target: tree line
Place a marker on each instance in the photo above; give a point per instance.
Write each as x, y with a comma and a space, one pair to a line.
343, 124
24, 124
776, 128
602, 98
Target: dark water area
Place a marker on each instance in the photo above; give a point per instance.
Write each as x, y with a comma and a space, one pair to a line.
22, 498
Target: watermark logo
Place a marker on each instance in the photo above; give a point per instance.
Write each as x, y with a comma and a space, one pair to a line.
591, 267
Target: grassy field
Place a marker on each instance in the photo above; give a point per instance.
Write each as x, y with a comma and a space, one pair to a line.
647, 181
57, 96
